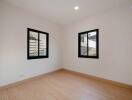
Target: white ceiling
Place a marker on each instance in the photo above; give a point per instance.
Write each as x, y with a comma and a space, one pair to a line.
62, 12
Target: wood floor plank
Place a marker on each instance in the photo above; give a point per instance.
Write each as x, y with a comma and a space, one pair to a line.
64, 85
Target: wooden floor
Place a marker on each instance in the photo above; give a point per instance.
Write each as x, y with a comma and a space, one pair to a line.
64, 85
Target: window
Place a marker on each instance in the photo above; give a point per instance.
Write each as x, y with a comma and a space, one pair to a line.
88, 44
37, 44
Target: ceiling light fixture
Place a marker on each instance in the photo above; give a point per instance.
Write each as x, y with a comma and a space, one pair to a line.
76, 7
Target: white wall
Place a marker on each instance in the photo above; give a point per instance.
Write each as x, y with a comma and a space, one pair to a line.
1, 32
115, 47
14, 65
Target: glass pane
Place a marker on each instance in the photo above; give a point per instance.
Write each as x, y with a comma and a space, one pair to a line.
84, 44
33, 44
42, 45
92, 44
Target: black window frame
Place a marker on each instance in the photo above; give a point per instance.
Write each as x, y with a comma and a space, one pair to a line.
97, 44
47, 44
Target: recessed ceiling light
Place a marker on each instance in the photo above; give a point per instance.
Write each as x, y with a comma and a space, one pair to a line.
76, 7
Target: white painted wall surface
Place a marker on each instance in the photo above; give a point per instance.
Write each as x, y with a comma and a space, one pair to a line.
1, 33
115, 47
14, 65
